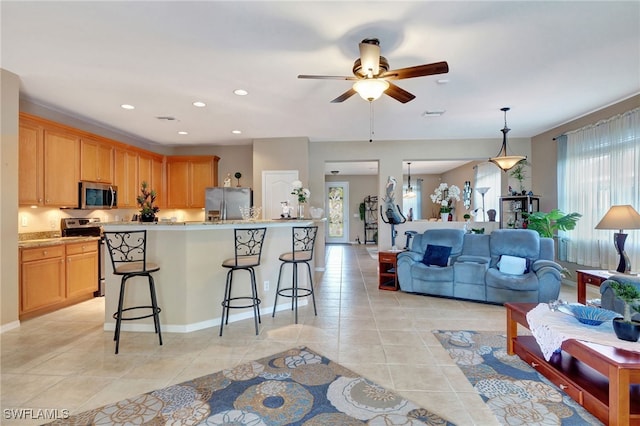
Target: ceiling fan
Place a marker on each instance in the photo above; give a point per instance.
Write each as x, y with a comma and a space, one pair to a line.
372, 75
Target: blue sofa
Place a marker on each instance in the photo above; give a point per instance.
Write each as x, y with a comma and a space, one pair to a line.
481, 267
608, 298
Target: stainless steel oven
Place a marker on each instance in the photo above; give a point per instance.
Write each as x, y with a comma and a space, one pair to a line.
88, 227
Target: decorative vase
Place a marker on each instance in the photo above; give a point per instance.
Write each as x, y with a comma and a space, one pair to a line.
629, 331
444, 216
147, 217
300, 211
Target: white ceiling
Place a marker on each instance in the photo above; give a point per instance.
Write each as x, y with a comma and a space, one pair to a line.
550, 61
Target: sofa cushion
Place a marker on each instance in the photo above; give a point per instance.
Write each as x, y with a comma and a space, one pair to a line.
514, 265
436, 255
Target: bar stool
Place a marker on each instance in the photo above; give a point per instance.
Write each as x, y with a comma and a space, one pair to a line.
248, 249
128, 252
303, 239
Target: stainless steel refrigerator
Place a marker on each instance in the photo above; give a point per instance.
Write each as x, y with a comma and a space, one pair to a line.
223, 203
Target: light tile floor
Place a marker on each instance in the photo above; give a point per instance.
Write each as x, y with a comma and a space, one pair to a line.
65, 360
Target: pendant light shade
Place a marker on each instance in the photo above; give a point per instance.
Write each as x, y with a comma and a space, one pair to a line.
502, 160
409, 193
370, 89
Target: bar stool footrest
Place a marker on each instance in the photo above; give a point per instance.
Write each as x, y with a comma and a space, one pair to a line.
227, 302
153, 312
302, 292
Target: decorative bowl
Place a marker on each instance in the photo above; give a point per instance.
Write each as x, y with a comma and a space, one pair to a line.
591, 315
250, 213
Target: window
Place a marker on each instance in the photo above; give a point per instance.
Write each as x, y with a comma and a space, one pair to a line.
597, 168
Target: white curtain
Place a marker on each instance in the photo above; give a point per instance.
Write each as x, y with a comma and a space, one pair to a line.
487, 176
598, 166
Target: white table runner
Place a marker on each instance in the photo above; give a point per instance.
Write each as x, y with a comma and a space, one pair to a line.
551, 328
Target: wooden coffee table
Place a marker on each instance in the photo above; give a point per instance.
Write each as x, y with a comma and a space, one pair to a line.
603, 379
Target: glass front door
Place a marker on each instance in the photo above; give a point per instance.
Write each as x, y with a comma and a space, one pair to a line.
338, 212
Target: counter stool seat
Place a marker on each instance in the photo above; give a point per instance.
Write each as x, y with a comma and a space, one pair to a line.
248, 250
302, 240
127, 251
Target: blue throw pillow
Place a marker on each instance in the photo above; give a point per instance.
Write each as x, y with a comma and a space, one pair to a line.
436, 255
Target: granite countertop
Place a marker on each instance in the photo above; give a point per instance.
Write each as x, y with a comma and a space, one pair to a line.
43, 242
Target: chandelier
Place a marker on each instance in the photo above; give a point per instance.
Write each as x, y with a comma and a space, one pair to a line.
502, 160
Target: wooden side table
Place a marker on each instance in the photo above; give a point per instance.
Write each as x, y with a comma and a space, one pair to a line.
387, 270
589, 276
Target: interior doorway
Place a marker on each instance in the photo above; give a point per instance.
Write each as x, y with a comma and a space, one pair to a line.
337, 212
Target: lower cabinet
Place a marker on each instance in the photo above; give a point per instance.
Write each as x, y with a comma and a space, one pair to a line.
82, 269
56, 276
42, 279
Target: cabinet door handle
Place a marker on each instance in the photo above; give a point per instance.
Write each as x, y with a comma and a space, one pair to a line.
563, 387
534, 364
44, 252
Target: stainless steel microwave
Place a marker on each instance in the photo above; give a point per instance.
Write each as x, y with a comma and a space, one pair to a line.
93, 195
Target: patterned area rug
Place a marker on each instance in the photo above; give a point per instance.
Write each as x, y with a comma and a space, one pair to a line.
516, 393
295, 387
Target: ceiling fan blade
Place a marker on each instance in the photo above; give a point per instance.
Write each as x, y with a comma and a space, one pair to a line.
417, 71
346, 95
328, 77
370, 57
398, 93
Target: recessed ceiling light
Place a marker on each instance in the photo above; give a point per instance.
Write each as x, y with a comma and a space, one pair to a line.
199, 104
442, 81
236, 132
241, 92
434, 113
182, 132
127, 106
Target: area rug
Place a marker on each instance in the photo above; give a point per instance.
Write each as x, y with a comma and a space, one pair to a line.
516, 393
295, 387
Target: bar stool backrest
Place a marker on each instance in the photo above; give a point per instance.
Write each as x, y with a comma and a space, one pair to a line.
249, 242
128, 251
304, 238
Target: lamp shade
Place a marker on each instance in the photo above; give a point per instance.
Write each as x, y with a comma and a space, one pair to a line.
507, 161
620, 217
370, 89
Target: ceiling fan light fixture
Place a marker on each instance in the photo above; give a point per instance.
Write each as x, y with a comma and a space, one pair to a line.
370, 89
502, 160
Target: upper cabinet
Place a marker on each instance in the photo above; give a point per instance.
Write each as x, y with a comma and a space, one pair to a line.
48, 165
61, 168
125, 177
30, 164
151, 170
187, 178
53, 158
96, 161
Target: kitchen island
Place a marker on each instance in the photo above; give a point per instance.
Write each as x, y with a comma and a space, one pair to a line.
190, 282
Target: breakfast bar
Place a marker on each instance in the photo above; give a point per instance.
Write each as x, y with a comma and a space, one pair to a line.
190, 283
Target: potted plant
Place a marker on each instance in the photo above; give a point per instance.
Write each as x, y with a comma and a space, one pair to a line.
547, 224
624, 327
145, 201
520, 174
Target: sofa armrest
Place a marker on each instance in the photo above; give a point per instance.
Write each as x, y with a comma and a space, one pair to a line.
538, 265
610, 301
410, 256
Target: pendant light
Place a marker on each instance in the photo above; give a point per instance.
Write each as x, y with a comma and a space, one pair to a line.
409, 193
502, 160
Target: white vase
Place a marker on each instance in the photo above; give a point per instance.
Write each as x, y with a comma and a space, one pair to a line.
444, 217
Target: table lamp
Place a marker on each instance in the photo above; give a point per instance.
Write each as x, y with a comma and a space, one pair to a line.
620, 217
